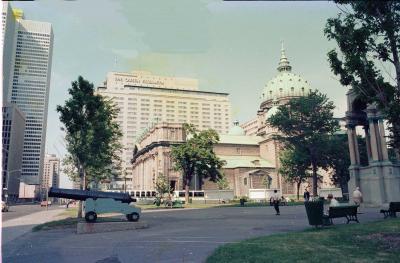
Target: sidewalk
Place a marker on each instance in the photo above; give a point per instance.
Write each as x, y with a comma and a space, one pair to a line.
17, 227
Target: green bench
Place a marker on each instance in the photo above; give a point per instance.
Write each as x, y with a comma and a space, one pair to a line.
391, 212
348, 211
178, 204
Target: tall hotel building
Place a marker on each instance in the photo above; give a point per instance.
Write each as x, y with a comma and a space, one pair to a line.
51, 172
27, 57
145, 99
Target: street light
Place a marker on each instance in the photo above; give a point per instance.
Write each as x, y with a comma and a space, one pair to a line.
125, 179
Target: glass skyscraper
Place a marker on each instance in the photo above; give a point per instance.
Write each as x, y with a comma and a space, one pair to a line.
29, 53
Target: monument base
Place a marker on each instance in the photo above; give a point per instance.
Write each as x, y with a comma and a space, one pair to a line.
100, 227
379, 183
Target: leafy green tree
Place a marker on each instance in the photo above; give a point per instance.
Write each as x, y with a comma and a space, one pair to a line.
162, 185
306, 123
92, 135
368, 37
295, 166
222, 182
339, 161
196, 157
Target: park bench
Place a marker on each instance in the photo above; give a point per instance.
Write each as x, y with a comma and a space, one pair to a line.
178, 204
393, 208
349, 212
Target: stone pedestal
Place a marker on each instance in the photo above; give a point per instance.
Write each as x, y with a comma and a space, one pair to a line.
379, 183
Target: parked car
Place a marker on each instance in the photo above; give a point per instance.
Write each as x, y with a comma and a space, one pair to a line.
45, 203
4, 206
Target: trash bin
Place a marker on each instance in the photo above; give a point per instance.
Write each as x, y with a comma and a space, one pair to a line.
315, 212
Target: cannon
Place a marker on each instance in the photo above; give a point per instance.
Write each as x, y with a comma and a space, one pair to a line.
97, 202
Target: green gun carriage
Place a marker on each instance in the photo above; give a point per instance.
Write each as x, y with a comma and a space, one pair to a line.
97, 202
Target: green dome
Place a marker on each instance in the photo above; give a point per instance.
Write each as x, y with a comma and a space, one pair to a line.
285, 84
236, 129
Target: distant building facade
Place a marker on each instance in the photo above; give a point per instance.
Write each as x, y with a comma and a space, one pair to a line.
13, 137
250, 152
27, 57
145, 99
51, 172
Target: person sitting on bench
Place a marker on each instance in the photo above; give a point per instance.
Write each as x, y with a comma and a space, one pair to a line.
332, 201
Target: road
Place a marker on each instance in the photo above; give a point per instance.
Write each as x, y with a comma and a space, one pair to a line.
172, 236
16, 211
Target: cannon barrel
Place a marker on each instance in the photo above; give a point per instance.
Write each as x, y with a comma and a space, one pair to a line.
85, 194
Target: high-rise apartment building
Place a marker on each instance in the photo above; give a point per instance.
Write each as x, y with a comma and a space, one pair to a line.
27, 60
145, 99
51, 172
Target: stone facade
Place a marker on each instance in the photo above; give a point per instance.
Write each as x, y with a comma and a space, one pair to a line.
144, 99
379, 180
244, 168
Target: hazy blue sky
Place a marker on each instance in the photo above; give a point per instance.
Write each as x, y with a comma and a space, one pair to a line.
230, 47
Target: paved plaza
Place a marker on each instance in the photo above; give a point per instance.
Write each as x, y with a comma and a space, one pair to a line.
172, 236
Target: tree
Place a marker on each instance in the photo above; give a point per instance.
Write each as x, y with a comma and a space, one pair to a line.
222, 182
368, 36
196, 157
295, 166
162, 185
92, 135
306, 123
339, 161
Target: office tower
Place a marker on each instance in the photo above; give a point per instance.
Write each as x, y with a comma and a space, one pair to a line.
145, 99
13, 137
28, 55
51, 172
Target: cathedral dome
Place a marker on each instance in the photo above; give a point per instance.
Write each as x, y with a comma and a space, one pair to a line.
286, 83
236, 129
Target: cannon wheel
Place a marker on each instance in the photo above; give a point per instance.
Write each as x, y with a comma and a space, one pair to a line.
134, 217
91, 216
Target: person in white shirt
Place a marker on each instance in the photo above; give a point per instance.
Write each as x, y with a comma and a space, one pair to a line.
332, 201
357, 196
275, 200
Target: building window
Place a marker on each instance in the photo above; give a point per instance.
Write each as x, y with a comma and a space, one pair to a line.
245, 181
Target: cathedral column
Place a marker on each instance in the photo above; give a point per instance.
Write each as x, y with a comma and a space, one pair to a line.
353, 147
374, 140
368, 143
384, 150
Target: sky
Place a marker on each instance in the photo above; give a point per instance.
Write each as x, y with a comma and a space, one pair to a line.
231, 47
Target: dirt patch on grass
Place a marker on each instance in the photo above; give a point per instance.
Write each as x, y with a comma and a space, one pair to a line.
387, 240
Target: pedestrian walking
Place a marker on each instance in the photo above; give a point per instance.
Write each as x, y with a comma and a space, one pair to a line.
275, 201
306, 195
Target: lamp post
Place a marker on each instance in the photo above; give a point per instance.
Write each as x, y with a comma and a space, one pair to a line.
125, 179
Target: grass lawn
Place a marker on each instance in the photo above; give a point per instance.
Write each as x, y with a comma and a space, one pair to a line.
193, 205
202, 205
257, 204
370, 242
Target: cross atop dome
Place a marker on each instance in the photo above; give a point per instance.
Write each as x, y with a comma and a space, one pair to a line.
284, 64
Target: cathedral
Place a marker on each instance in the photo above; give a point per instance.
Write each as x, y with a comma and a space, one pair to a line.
250, 153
